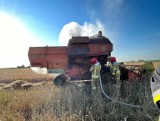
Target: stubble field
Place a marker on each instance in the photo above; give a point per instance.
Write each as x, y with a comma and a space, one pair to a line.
46, 102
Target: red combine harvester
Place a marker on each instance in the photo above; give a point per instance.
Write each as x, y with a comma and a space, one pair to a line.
72, 61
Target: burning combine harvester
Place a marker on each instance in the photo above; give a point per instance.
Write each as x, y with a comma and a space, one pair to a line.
72, 61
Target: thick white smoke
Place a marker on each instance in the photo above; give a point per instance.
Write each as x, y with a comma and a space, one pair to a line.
74, 29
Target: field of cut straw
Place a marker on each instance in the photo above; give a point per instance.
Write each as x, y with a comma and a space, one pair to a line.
10, 75
73, 103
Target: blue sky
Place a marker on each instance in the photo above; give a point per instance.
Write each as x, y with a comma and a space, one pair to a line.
132, 26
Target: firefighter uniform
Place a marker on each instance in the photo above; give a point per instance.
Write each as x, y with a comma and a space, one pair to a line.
155, 87
115, 73
95, 70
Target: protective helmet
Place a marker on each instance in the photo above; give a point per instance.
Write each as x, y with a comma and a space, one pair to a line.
112, 59
94, 60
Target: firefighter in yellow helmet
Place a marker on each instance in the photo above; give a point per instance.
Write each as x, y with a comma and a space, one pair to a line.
155, 87
95, 70
115, 72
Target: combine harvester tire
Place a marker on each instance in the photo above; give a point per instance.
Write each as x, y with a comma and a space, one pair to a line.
60, 80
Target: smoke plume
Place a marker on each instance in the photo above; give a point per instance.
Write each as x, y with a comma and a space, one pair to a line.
75, 29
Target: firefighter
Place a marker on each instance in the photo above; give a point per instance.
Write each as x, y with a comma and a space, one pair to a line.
115, 72
155, 87
95, 70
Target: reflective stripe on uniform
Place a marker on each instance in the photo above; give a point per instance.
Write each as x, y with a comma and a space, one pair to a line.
115, 70
96, 72
156, 98
118, 72
157, 92
94, 77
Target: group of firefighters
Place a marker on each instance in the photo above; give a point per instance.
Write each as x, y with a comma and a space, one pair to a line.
114, 67
96, 67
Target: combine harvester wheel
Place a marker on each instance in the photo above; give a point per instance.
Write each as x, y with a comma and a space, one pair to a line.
60, 80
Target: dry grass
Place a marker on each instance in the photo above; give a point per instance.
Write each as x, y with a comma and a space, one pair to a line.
10, 75
74, 103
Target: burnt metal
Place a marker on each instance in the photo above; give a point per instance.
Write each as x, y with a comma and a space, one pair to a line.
74, 59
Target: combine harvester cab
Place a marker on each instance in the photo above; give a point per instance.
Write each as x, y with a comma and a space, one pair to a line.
71, 61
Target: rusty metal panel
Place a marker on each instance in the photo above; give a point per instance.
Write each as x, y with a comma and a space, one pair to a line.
49, 57
89, 49
57, 61
78, 49
132, 76
95, 47
78, 72
48, 50
99, 40
79, 40
100, 49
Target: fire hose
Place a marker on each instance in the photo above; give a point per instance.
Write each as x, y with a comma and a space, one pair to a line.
122, 103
